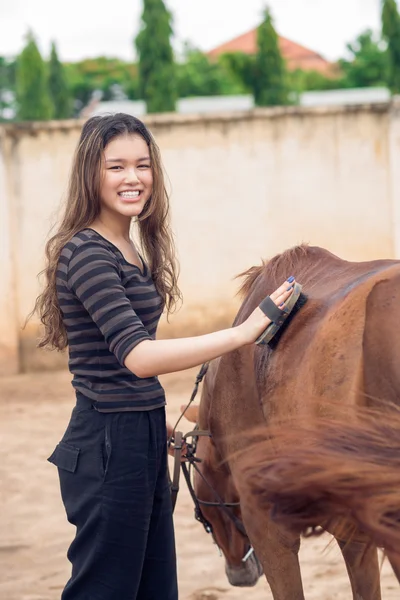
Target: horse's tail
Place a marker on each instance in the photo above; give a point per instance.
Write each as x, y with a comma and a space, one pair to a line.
326, 471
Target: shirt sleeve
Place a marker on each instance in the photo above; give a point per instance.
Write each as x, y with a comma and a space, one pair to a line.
94, 278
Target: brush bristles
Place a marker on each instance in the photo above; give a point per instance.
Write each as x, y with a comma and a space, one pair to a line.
302, 299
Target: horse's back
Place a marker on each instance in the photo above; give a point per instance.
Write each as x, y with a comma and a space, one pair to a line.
381, 341
341, 352
319, 360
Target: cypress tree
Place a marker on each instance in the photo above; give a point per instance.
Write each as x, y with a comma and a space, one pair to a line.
391, 33
269, 77
156, 68
7, 86
33, 99
58, 87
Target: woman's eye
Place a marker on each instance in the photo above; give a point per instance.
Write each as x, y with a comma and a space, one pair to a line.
144, 167
115, 168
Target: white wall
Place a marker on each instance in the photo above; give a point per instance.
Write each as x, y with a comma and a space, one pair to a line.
245, 185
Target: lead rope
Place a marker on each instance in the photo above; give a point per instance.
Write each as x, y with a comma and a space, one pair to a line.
199, 379
177, 438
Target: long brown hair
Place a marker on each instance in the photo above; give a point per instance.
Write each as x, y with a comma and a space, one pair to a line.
83, 207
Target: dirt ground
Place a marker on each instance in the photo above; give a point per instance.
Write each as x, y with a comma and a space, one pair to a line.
34, 532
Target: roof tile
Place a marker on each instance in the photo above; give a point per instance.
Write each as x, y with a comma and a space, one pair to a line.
296, 56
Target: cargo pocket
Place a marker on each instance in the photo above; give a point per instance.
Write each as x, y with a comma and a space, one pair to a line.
65, 457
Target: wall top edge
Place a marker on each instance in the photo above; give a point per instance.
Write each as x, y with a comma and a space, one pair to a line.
166, 119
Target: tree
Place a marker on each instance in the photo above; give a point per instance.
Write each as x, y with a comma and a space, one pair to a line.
58, 87
157, 72
7, 88
391, 33
368, 65
264, 74
101, 75
300, 81
269, 79
33, 98
198, 76
242, 67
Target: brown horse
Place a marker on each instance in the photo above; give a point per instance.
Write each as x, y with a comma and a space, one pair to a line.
340, 350
328, 471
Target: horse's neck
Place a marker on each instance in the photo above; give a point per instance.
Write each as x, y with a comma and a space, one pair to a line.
235, 408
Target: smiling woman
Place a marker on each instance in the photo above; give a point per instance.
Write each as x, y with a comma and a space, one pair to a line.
104, 301
127, 182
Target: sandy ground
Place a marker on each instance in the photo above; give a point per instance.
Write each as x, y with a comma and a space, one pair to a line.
34, 533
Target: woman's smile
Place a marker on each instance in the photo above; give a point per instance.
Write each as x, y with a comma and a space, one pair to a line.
130, 196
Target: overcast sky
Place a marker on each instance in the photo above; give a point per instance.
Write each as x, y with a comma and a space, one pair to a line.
84, 28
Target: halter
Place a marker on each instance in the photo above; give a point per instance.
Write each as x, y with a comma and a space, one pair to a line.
190, 457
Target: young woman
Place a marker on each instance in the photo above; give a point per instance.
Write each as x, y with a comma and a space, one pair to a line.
103, 300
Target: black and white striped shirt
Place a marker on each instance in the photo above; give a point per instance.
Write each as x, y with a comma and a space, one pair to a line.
109, 306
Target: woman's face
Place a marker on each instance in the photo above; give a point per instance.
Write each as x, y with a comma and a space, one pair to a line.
127, 177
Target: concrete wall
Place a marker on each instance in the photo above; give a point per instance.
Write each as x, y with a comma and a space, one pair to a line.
9, 334
243, 186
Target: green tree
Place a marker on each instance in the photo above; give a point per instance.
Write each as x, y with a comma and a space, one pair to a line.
7, 87
81, 88
303, 81
101, 74
32, 94
58, 87
197, 75
264, 74
242, 67
391, 33
368, 64
270, 86
157, 71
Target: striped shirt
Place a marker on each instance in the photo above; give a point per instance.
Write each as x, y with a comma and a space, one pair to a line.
108, 306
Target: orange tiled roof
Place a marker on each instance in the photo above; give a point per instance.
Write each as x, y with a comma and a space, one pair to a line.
296, 56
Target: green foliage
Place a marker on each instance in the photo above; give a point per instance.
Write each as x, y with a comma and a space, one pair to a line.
33, 99
81, 87
368, 65
101, 74
391, 33
58, 87
270, 86
303, 81
297, 81
7, 86
242, 68
8, 68
264, 75
25, 85
157, 71
197, 75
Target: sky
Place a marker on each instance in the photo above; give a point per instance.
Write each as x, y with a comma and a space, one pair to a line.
87, 28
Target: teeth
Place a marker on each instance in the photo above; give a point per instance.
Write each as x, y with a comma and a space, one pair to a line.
129, 194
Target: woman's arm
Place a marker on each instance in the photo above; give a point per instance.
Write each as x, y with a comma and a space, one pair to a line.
157, 357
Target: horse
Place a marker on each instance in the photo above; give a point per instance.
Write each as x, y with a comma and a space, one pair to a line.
339, 351
325, 470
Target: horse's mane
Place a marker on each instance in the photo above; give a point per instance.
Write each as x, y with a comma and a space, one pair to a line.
281, 265
250, 276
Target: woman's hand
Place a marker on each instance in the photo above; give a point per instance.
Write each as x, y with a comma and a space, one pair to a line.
257, 322
156, 357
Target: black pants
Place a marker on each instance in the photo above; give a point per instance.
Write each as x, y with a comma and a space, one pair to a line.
114, 485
